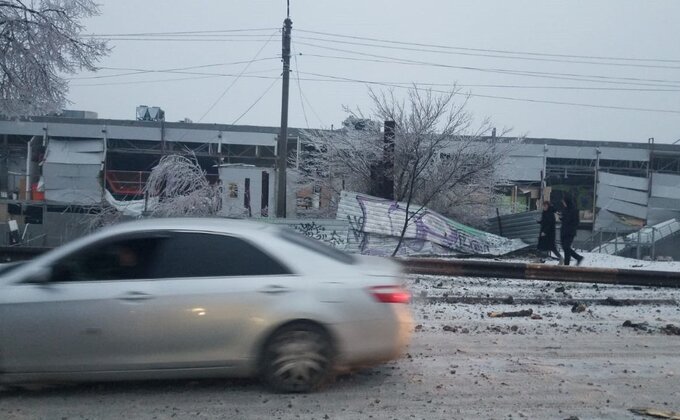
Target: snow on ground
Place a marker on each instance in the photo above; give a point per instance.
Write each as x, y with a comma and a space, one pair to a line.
552, 301
593, 259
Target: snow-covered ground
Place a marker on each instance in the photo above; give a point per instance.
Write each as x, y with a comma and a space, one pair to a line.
461, 364
593, 259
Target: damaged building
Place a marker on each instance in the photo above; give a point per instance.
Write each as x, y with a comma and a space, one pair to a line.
55, 170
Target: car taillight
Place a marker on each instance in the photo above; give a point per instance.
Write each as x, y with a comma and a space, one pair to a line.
390, 294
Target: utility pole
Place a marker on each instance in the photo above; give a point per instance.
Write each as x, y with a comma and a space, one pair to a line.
282, 141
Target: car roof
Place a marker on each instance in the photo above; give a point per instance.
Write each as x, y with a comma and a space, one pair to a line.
212, 224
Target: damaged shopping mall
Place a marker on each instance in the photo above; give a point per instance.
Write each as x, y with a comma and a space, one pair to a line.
56, 171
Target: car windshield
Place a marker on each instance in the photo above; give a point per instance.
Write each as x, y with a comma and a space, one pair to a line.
316, 246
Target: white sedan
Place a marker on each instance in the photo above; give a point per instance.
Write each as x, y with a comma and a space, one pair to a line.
177, 298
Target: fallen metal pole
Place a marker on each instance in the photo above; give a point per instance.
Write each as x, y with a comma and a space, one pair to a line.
528, 271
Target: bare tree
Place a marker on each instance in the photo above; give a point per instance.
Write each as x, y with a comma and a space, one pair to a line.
441, 158
181, 189
345, 158
40, 41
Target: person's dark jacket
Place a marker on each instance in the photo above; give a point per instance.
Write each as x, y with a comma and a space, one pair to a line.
546, 239
569, 219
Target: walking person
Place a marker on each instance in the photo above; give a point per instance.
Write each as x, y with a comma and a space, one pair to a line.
570, 221
546, 238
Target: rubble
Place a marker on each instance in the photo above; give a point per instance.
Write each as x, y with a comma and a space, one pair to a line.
653, 412
670, 329
578, 308
525, 312
643, 326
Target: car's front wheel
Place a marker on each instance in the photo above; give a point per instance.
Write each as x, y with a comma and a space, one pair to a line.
297, 358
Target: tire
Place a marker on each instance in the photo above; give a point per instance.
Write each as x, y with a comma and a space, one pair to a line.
297, 358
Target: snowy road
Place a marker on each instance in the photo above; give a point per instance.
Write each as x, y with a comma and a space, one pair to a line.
566, 364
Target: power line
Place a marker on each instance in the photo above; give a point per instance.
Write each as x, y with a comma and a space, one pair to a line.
237, 77
302, 102
557, 60
505, 86
312, 108
188, 39
546, 75
199, 76
225, 32
371, 82
186, 32
256, 101
177, 79
133, 71
533, 53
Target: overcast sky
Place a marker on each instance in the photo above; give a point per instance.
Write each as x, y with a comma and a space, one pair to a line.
628, 53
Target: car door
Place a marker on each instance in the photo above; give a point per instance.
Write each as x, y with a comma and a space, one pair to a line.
86, 317
215, 294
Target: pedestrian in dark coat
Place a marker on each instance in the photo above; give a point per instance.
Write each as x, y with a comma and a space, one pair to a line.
546, 238
570, 221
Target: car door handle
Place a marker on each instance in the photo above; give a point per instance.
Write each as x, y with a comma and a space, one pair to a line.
134, 296
274, 289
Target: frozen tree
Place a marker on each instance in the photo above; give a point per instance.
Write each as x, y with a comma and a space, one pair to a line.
441, 158
180, 187
40, 41
340, 159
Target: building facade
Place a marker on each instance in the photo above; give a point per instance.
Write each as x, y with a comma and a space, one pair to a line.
56, 170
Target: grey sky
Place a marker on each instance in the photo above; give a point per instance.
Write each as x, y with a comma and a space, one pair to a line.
639, 29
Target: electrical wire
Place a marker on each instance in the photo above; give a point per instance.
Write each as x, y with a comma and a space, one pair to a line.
532, 53
302, 102
187, 39
237, 77
201, 75
186, 32
133, 71
232, 32
256, 101
422, 50
371, 82
397, 60
176, 79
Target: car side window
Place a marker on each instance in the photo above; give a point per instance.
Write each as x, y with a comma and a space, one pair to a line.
193, 254
123, 259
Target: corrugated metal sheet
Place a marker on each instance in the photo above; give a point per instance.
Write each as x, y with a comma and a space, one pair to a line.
376, 225
71, 171
605, 192
626, 195
607, 221
630, 182
523, 168
88, 152
622, 207
620, 153
522, 226
571, 152
665, 186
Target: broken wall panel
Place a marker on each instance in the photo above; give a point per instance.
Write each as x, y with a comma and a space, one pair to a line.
623, 207
619, 153
622, 181
376, 225
607, 221
72, 170
523, 168
665, 186
605, 192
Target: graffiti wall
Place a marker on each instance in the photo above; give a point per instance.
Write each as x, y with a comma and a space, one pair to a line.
375, 225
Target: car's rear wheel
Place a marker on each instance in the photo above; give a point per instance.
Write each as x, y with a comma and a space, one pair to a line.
297, 358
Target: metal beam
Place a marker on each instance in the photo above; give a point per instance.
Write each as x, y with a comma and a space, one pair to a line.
528, 271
